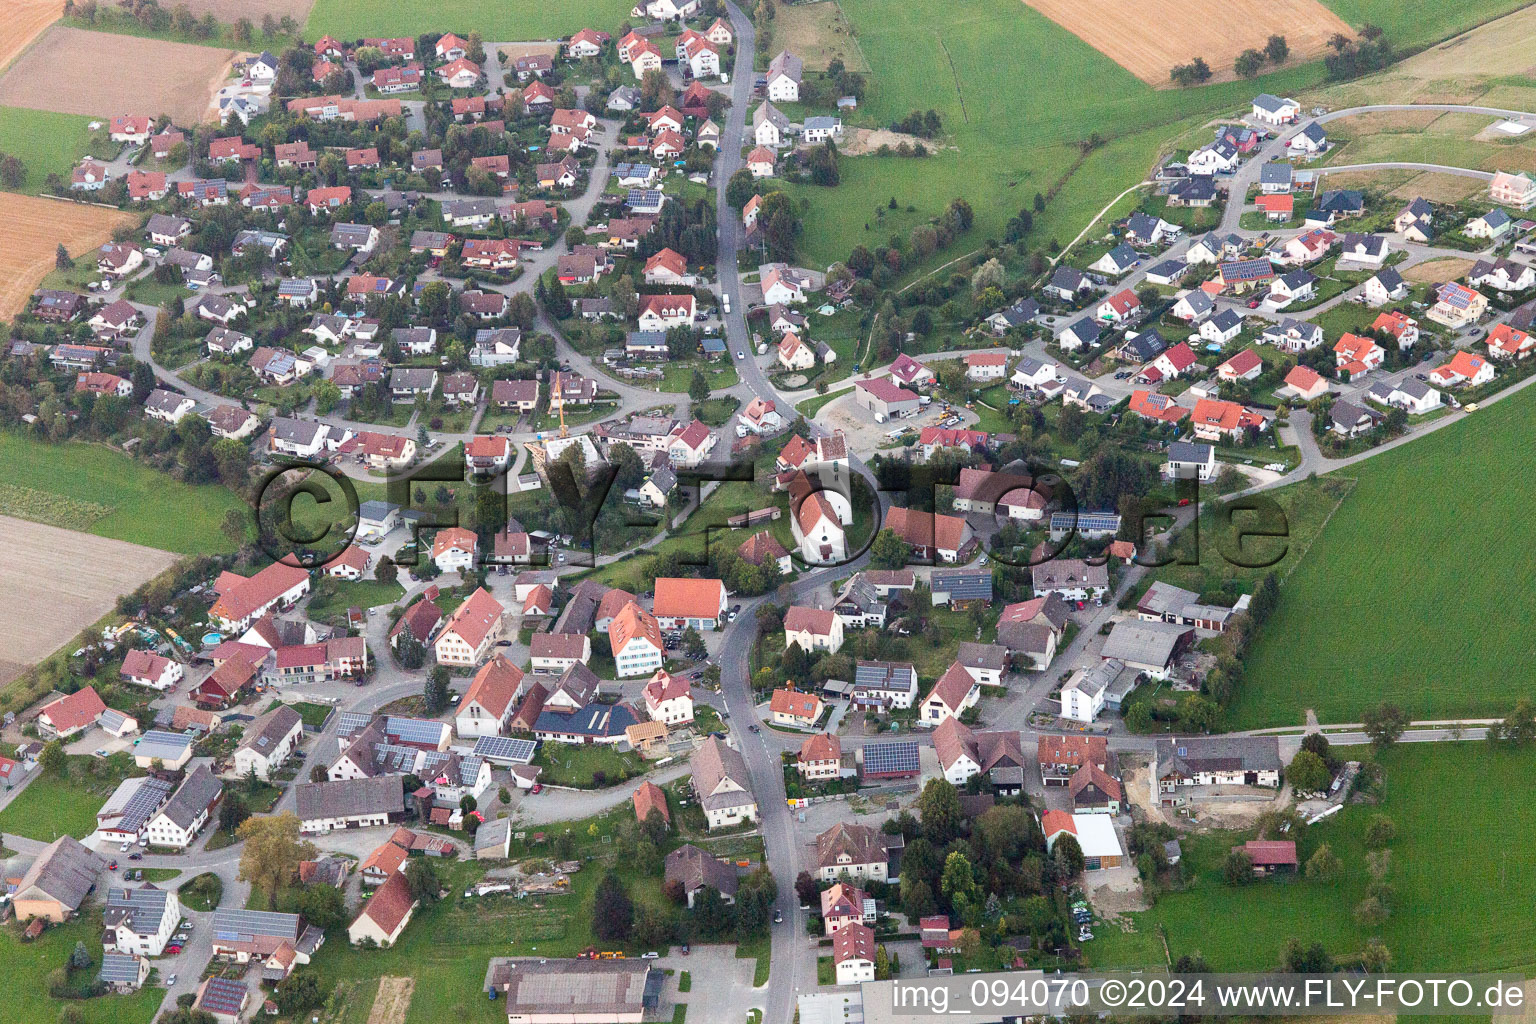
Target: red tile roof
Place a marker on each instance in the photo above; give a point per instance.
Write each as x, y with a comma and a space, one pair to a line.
648, 798
494, 686
795, 703
474, 619
75, 711
683, 598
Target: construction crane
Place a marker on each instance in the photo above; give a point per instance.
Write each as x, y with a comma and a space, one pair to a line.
559, 401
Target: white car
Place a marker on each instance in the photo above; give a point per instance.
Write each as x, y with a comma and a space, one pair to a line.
650, 956
124, 848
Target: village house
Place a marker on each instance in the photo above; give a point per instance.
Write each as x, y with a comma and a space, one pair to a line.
863, 852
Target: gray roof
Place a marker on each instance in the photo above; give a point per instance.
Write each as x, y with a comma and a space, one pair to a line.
1348, 415
233, 925
1226, 319
1086, 330
1298, 279
195, 795
1275, 173
768, 112
375, 511
1415, 388
165, 224
1095, 679
1162, 598
1389, 278
1495, 217
381, 794
264, 734
964, 584
1067, 277
414, 379
1314, 131
1184, 451
164, 401
884, 675
1269, 101
301, 432
1198, 301
158, 743
1123, 255
65, 871
785, 63
1194, 754
140, 910
119, 969
596, 989
492, 834
350, 234
695, 869
974, 655
1144, 643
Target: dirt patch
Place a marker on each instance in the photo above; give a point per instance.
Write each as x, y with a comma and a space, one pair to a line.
1382, 121
1150, 39
818, 32
33, 230
230, 11
75, 576
1119, 897
393, 1000
863, 141
24, 21
98, 74
863, 433
512, 51
1437, 270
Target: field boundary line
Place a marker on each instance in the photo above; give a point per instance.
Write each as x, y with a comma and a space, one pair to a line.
1353, 481
854, 35
1096, 217
956, 76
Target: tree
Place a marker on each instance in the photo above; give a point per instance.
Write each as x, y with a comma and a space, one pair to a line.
1068, 854
805, 889
61, 258
1384, 724
421, 876
79, 957
1248, 63
958, 884
1379, 832
270, 858
916, 898
698, 386
1277, 49
780, 223
436, 690
52, 760
939, 808
1371, 913
323, 906
1324, 864
888, 550
1299, 959
232, 813
1308, 773
13, 173
386, 572
1237, 868
740, 189
612, 910
1518, 729
1375, 957
989, 275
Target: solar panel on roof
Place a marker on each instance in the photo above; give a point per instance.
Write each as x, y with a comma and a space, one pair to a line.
891, 758
505, 748
352, 722
414, 730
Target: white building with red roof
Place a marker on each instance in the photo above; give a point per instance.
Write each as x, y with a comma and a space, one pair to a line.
663, 312
954, 693
813, 629
453, 549
761, 416
70, 715
986, 366
488, 704
241, 600
1246, 365
143, 668
470, 631
668, 699
853, 954
691, 444
908, 372
684, 603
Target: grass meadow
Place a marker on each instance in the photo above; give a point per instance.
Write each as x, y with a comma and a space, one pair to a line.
1412, 592
45, 141
1464, 881
52, 807
146, 506
501, 21
28, 964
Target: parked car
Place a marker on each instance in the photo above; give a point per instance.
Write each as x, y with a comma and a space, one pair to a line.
538, 787
172, 950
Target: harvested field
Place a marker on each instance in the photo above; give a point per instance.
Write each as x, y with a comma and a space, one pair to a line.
75, 71
1150, 39
26, 20
1437, 270
1439, 188
393, 1000
818, 32
230, 11
75, 576
34, 229
512, 51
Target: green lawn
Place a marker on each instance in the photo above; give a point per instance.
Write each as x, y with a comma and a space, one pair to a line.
202, 893
47, 142
343, 594
141, 504
1414, 25
705, 526
505, 20
51, 807
312, 714
566, 764
1464, 881
1406, 595
26, 966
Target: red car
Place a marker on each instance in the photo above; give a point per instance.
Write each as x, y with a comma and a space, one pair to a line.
538, 787
173, 949
112, 866
1183, 502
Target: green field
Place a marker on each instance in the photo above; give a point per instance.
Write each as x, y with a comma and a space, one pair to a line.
1006, 135
45, 142
1413, 25
506, 21
146, 506
1464, 881
26, 966
52, 807
1406, 595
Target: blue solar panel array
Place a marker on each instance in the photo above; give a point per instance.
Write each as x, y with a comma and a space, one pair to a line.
1086, 522
895, 758
505, 748
414, 730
